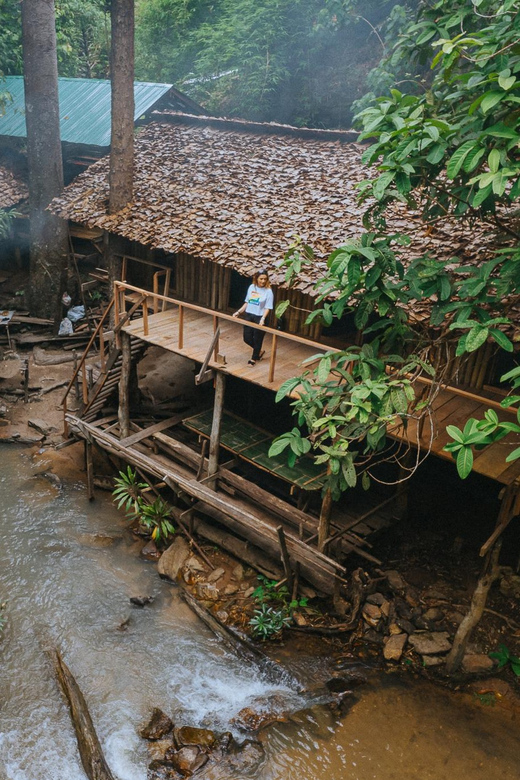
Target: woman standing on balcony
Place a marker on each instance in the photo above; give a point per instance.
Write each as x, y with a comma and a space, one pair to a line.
258, 304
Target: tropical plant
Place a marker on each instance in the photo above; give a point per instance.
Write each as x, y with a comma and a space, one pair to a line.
157, 517
267, 622
503, 656
128, 492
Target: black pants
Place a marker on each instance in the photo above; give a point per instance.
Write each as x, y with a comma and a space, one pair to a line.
253, 337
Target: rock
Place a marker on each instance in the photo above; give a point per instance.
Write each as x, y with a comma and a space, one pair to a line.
433, 615
349, 678
162, 770
188, 735
394, 629
141, 601
215, 575
249, 719
97, 540
403, 609
157, 748
249, 592
387, 609
230, 589
158, 726
412, 597
222, 615
477, 663
373, 637
395, 580
185, 759
394, 647
455, 617
244, 758
238, 572
194, 565
371, 614
376, 598
432, 660
41, 426
299, 619
173, 559
430, 642
207, 592
150, 552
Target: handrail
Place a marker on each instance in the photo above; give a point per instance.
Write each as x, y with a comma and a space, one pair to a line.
229, 317
87, 349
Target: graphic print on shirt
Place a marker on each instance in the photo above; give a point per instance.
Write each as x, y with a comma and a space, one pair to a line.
254, 298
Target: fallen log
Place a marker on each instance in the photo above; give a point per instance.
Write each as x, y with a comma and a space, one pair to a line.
92, 758
42, 358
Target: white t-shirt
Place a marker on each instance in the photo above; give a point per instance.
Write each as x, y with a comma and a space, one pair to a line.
259, 299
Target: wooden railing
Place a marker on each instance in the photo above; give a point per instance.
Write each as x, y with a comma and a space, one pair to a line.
153, 299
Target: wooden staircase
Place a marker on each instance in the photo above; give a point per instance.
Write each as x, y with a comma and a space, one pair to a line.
102, 382
108, 380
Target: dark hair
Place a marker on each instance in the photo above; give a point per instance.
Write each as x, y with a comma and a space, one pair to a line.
261, 272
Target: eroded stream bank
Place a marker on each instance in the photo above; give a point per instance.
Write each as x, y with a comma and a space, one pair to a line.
68, 570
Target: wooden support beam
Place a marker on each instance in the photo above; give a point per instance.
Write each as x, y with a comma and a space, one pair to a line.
204, 374
324, 521
124, 386
285, 557
218, 408
156, 428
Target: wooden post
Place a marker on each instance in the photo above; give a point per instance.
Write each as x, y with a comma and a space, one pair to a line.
89, 467
324, 521
124, 387
272, 358
181, 327
214, 441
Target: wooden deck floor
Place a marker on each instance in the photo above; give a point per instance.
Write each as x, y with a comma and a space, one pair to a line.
451, 408
163, 330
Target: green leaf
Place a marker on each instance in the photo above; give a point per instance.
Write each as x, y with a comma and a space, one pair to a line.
513, 455
278, 446
455, 433
501, 339
506, 82
282, 308
490, 100
494, 160
286, 388
476, 337
464, 462
456, 160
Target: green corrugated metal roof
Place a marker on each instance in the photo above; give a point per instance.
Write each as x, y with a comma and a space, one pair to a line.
84, 108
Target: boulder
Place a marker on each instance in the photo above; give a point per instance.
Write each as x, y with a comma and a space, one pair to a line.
189, 735
194, 565
434, 614
376, 598
432, 660
141, 601
173, 559
477, 663
238, 572
230, 589
430, 642
186, 760
158, 726
394, 647
244, 758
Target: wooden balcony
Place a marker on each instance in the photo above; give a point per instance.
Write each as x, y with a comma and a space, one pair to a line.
189, 330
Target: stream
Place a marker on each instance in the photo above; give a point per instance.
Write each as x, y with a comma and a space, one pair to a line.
67, 571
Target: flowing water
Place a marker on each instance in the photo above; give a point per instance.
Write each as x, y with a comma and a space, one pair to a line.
67, 572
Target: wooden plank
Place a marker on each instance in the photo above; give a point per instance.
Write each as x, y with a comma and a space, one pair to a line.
145, 433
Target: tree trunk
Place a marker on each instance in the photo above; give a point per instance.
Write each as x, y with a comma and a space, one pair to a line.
49, 234
489, 574
122, 76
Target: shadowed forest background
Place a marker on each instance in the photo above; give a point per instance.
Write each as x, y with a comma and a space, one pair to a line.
303, 62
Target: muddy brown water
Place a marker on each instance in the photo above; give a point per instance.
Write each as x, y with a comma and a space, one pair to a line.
67, 572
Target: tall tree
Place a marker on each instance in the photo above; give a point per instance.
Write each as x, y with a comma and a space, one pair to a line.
122, 76
48, 232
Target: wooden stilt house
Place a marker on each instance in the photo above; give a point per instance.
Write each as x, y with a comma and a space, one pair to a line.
214, 201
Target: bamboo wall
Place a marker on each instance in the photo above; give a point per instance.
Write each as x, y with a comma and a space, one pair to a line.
472, 371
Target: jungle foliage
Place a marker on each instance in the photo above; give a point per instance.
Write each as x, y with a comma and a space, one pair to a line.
448, 148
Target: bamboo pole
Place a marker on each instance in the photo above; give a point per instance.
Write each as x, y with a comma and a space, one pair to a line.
181, 327
324, 521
